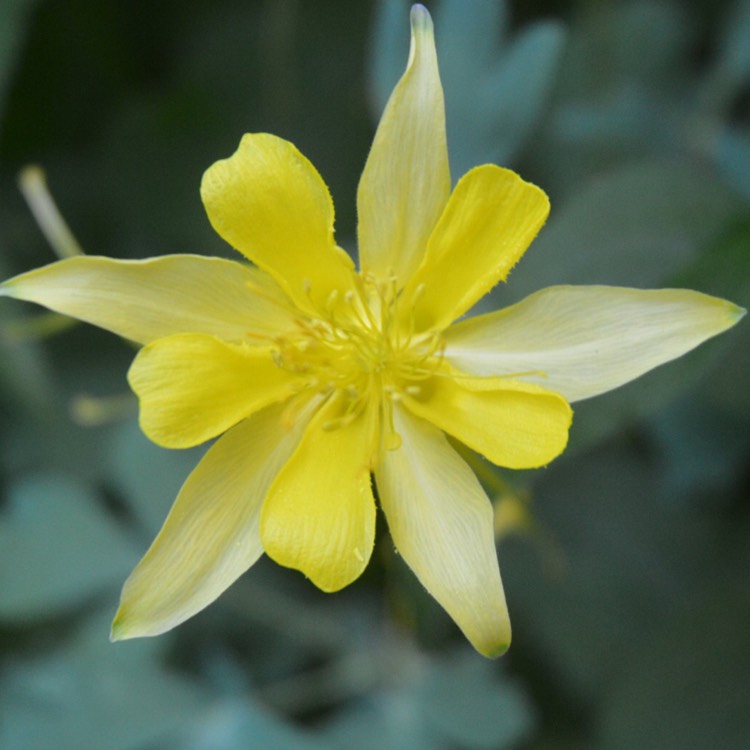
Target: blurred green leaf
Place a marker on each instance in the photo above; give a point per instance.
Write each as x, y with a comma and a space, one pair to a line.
631, 86
394, 720
580, 605
687, 687
731, 152
647, 42
459, 700
147, 476
475, 706
637, 226
626, 562
469, 34
93, 694
492, 110
239, 723
731, 69
388, 53
58, 548
46, 437
24, 371
703, 450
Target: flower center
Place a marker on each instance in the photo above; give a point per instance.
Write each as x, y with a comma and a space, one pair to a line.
362, 347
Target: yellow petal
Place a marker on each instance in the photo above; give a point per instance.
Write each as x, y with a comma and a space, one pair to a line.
193, 387
516, 425
211, 536
270, 203
319, 516
406, 181
581, 341
144, 300
441, 522
490, 220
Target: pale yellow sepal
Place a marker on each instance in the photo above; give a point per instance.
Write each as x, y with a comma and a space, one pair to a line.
211, 535
193, 387
319, 516
144, 300
513, 424
441, 522
491, 218
581, 341
406, 180
269, 202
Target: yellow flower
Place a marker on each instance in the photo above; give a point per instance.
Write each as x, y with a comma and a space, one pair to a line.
319, 378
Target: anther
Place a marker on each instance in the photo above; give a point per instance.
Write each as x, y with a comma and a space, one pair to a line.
332, 299
335, 424
393, 441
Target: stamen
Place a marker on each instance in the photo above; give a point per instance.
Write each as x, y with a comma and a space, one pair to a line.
362, 312
342, 421
332, 299
33, 185
392, 440
360, 349
354, 409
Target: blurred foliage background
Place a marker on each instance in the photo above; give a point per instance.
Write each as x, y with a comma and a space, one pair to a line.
625, 562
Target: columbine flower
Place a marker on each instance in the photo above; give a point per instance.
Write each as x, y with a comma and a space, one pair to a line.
322, 378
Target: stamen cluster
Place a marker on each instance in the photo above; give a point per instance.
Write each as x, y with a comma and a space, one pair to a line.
362, 347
